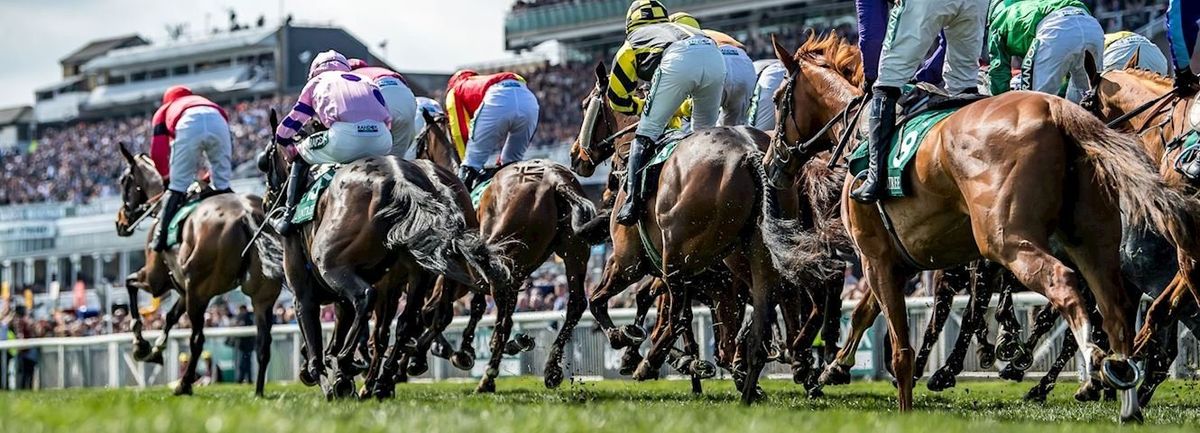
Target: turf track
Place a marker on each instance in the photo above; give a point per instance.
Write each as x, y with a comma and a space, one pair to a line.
523, 405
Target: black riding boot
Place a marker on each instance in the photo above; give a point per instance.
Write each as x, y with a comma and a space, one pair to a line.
1186, 80
171, 203
634, 202
882, 124
468, 176
297, 180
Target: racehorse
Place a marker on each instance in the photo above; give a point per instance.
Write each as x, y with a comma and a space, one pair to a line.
207, 263
1118, 94
707, 207
997, 179
382, 222
433, 143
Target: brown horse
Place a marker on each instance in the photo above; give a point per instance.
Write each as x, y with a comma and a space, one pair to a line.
997, 179
706, 208
207, 263
382, 223
433, 142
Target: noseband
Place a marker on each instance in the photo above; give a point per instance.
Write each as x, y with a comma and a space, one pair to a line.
779, 160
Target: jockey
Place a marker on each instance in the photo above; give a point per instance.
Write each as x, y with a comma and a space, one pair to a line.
401, 103
740, 76
185, 126
771, 74
912, 31
872, 18
355, 116
489, 113
1119, 47
1051, 35
678, 61
1183, 27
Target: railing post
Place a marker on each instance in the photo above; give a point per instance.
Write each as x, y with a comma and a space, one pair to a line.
62, 366
114, 365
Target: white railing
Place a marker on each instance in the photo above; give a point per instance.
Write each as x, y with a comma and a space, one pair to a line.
105, 360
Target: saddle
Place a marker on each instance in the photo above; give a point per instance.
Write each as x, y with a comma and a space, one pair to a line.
924, 97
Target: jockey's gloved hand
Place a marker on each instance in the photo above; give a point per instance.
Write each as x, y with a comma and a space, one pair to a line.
290, 152
1185, 79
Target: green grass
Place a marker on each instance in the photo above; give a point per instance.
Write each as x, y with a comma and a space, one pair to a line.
523, 405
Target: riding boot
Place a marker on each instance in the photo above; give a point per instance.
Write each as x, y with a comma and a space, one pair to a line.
468, 176
297, 180
631, 210
1186, 81
882, 124
171, 204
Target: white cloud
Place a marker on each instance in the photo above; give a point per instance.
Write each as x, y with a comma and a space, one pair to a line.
424, 35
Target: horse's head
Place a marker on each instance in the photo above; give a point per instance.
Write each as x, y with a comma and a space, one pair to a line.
595, 141
823, 77
1114, 93
272, 163
141, 187
434, 143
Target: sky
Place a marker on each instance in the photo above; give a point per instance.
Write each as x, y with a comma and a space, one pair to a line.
422, 35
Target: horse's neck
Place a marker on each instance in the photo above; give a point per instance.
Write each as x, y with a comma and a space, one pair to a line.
1171, 115
831, 95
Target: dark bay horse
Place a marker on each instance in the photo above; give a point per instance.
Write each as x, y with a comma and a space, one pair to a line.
997, 179
207, 262
706, 209
382, 223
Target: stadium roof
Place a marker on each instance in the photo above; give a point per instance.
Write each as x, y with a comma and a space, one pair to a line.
11, 115
98, 47
173, 50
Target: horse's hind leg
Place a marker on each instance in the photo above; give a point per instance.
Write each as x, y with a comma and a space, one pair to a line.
173, 315
943, 299
464, 359
1159, 363
646, 293
195, 312
575, 264
262, 323
505, 303
344, 281
616, 278
1046, 384
861, 319
1042, 323
972, 320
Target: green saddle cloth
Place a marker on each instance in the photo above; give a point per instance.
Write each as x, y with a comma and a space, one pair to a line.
307, 207
477, 193
180, 217
649, 176
902, 149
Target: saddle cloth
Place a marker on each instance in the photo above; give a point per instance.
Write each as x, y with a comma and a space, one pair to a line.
903, 147
307, 207
477, 192
196, 194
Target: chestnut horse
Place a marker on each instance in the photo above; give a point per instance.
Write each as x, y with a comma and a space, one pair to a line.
997, 179
707, 208
206, 263
381, 223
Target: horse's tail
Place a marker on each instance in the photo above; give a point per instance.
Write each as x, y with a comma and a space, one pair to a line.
797, 254
582, 209
267, 245
435, 233
1130, 174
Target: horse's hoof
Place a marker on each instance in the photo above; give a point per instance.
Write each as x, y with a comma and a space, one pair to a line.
486, 385
626, 336
307, 378
941, 380
383, 390
987, 357
1120, 373
441, 351
629, 362
463, 360
1134, 418
1023, 361
553, 377
183, 389
774, 353
1037, 394
141, 350
155, 357
1011, 372
683, 364
1088, 391
343, 388
753, 395
816, 392
703, 369
417, 366
1007, 347
355, 368
835, 374
645, 372
520, 343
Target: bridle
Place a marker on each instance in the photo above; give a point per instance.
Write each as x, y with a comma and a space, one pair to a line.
607, 145
141, 211
780, 160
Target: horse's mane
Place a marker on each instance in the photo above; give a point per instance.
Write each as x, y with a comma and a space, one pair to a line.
1148, 75
833, 52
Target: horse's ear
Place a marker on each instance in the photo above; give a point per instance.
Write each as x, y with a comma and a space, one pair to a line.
1135, 59
273, 118
784, 56
602, 76
126, 153
430, 119
1089, 65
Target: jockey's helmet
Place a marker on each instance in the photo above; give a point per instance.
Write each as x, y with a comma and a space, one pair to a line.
328, 61
357, 63
642, 12
686, 19
175, 92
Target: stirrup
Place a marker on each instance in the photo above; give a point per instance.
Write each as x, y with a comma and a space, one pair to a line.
863, 194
